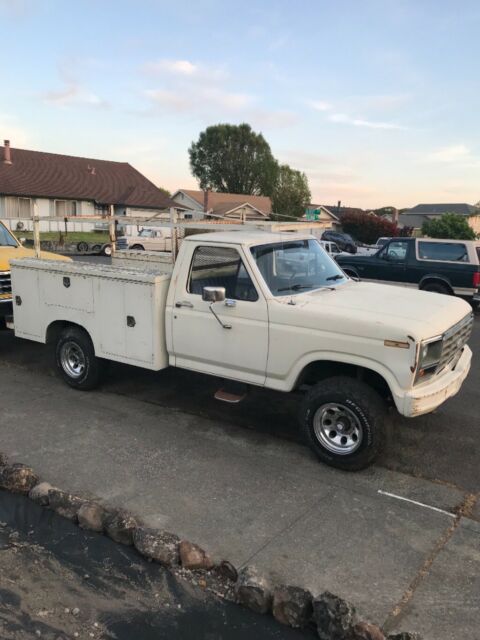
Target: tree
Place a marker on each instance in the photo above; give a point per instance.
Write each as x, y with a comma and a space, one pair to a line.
233, 159
291, 194
450, 225
368, 228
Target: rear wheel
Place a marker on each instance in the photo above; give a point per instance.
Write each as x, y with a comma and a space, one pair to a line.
343, 421
75, 359
437, 287
82, 247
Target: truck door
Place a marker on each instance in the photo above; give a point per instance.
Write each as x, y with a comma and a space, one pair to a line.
199, 341
392, 262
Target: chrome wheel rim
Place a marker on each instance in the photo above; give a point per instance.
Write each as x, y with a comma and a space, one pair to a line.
337, 428
72, 359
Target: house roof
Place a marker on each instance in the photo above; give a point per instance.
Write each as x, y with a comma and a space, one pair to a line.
217, 199
460, 208
415, 220
52, 175
326, 209
339, 212
230, 207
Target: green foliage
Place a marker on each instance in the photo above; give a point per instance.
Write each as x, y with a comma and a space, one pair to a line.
233, 159
291, 194
450, 225
368, 228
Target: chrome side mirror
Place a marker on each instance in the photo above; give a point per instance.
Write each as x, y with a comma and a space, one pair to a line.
213, 294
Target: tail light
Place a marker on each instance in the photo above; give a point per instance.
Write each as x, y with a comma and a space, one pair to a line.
476, 280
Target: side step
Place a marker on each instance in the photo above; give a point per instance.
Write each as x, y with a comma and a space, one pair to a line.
232, 392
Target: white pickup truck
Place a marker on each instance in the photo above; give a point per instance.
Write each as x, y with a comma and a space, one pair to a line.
258, 308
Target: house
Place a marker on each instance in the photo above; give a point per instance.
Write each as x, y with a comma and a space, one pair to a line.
65, 185
197, 204
416, 216
321, 213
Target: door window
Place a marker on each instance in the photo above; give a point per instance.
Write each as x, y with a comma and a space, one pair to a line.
221, 267
395, 251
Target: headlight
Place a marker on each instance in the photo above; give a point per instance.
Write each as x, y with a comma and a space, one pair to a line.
429, 358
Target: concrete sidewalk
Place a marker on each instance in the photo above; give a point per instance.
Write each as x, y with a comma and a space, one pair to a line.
253, 498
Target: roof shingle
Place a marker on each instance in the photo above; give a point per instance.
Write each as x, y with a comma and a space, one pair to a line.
52, 175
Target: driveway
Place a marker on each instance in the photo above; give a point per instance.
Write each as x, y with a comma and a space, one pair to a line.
235, 478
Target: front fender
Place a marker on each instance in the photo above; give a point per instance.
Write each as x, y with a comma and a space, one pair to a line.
289, 382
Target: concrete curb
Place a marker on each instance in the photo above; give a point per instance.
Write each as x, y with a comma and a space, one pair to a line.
332, 617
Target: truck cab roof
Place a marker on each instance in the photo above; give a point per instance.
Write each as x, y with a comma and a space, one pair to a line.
248, 238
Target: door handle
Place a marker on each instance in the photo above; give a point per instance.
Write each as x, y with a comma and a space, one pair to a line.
184, 303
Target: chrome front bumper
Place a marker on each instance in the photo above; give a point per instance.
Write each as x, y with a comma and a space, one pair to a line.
430, 395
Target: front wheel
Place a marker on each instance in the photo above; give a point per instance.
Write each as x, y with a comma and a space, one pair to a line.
75, 359
343, 421
138, 247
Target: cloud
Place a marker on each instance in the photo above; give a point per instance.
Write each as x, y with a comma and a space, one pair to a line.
74, 94
202, 91
205, 99
343, 118
319, 105
452, 153
187, 70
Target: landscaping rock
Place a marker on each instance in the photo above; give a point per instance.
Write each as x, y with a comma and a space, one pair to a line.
91, 516
404, 635
64, 503
226, 571
253, 590
292, 605
194, 557
367, 631
17, 478
3, 460
120, 526
161, 546
335, 618
39, 493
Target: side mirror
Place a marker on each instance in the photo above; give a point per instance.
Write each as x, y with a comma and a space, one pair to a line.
213, 294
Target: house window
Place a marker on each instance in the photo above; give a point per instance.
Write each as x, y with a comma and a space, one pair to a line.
65, 208
18, 207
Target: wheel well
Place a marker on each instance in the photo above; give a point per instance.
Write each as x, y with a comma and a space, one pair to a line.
350, 271
435, 280
322, 369
55, 329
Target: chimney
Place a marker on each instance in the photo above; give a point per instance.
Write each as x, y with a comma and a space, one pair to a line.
205, 200
7, 159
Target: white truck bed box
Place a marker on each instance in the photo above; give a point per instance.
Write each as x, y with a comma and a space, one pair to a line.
122, 309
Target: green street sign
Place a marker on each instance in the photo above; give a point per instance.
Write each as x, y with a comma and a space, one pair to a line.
312, 214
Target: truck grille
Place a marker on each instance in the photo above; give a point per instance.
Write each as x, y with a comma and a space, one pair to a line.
5, 283
454, 340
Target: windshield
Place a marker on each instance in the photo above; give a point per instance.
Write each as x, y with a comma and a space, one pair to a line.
6, 238
300, 265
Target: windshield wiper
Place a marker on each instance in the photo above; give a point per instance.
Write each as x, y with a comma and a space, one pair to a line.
338, 276
296, 287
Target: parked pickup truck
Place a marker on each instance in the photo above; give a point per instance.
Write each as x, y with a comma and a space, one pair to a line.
10, 248
444, 266
264, 309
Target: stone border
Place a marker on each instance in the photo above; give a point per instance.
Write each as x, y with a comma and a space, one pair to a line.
331, 616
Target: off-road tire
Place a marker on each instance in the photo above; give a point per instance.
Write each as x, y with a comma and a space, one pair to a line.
364, 402
93, 367
437, 287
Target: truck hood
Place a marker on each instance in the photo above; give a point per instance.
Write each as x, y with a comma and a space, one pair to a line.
375, 310
11, 253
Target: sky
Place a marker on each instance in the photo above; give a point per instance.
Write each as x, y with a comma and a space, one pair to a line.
377, 101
